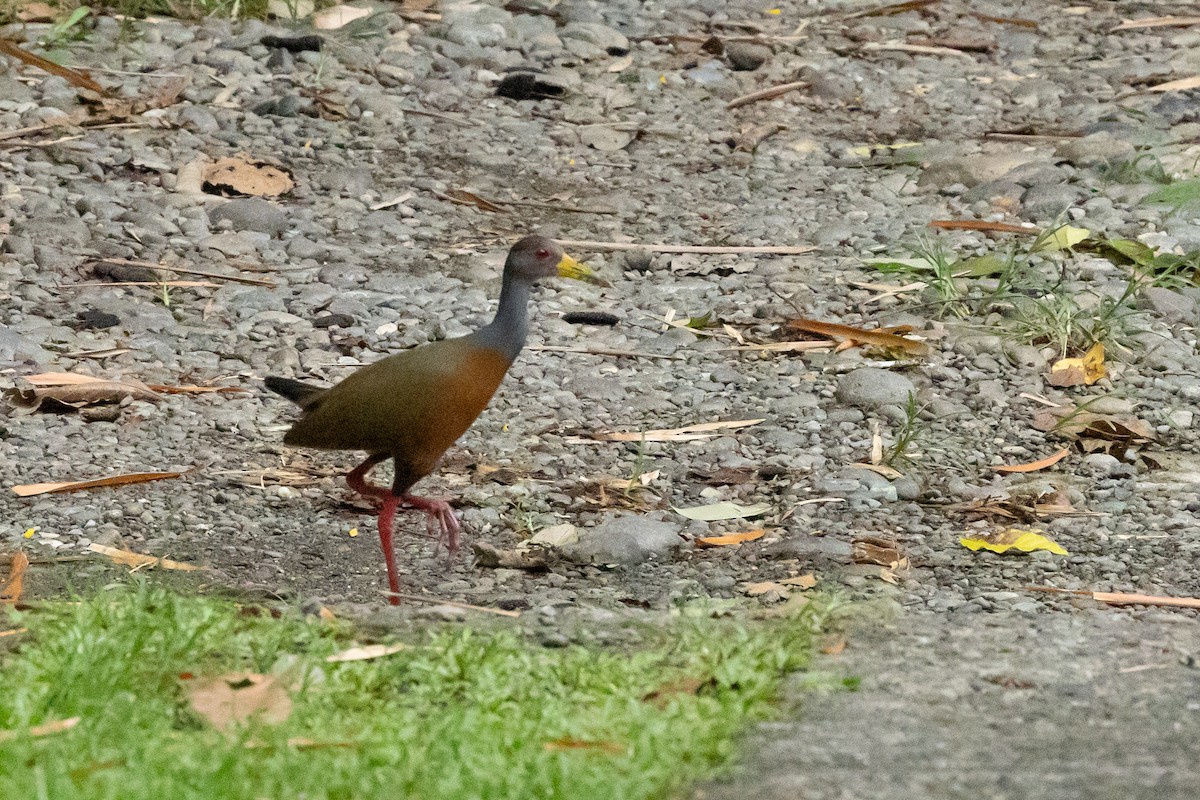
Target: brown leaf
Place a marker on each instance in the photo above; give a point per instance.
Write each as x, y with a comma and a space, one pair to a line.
834, 645
245, 175
726, 476
876, 550
11, 593
1034, 466
488, 556
802, 582
661, 696
567, 743
139, 561
226, 700
69, 390
771, 591
36, 12
30, 489
860, 336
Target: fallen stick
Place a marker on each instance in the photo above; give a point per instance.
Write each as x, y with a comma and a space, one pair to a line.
71, 76
782, 250
600, 351
919, 49
48, 143
982, 225
770, 93
437, 601
201, 273
1123, 598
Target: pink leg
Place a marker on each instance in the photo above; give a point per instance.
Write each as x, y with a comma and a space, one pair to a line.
386, 516
357, 480
439, 512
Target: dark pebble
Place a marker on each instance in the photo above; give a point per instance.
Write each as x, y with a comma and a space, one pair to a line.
334, 321
92, 320
294, 44
590, 318
527, 86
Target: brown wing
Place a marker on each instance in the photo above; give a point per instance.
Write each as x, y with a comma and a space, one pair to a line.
412, 405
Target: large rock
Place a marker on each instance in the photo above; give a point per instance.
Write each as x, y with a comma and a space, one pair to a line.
870, 387
625, 539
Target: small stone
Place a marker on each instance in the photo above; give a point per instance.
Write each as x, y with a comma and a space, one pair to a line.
110, 412
870, 387
1170, 305
638, 260
334, 321
251, 214
746, 56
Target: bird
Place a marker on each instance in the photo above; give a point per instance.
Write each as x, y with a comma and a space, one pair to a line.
412, 406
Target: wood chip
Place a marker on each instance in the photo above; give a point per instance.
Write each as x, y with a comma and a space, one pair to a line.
11, 593
137, 561
1125, 599
45, 729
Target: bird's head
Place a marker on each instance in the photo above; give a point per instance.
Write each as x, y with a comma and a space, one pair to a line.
536, 257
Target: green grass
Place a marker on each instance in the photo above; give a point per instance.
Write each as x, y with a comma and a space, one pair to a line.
459, 714
184, 9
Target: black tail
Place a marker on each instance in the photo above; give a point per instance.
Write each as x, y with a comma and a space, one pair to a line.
302, 394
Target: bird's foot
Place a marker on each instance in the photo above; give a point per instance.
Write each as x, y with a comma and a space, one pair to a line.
439, 515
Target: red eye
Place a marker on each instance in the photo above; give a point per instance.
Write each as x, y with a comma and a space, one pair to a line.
543, 254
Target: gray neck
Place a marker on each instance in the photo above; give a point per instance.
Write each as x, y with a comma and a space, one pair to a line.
507, 331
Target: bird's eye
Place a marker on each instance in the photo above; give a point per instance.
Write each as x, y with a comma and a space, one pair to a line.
543, 253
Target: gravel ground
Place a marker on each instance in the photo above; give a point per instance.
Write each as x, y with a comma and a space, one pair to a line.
1022, 112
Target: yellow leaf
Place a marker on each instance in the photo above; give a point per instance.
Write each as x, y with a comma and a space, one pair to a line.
732, 538
1012, 539
1065, 238
1079, 371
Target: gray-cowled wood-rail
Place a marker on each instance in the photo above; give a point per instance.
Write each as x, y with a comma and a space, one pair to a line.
410, 407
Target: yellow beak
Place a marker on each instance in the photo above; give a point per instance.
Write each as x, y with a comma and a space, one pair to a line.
570, 268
